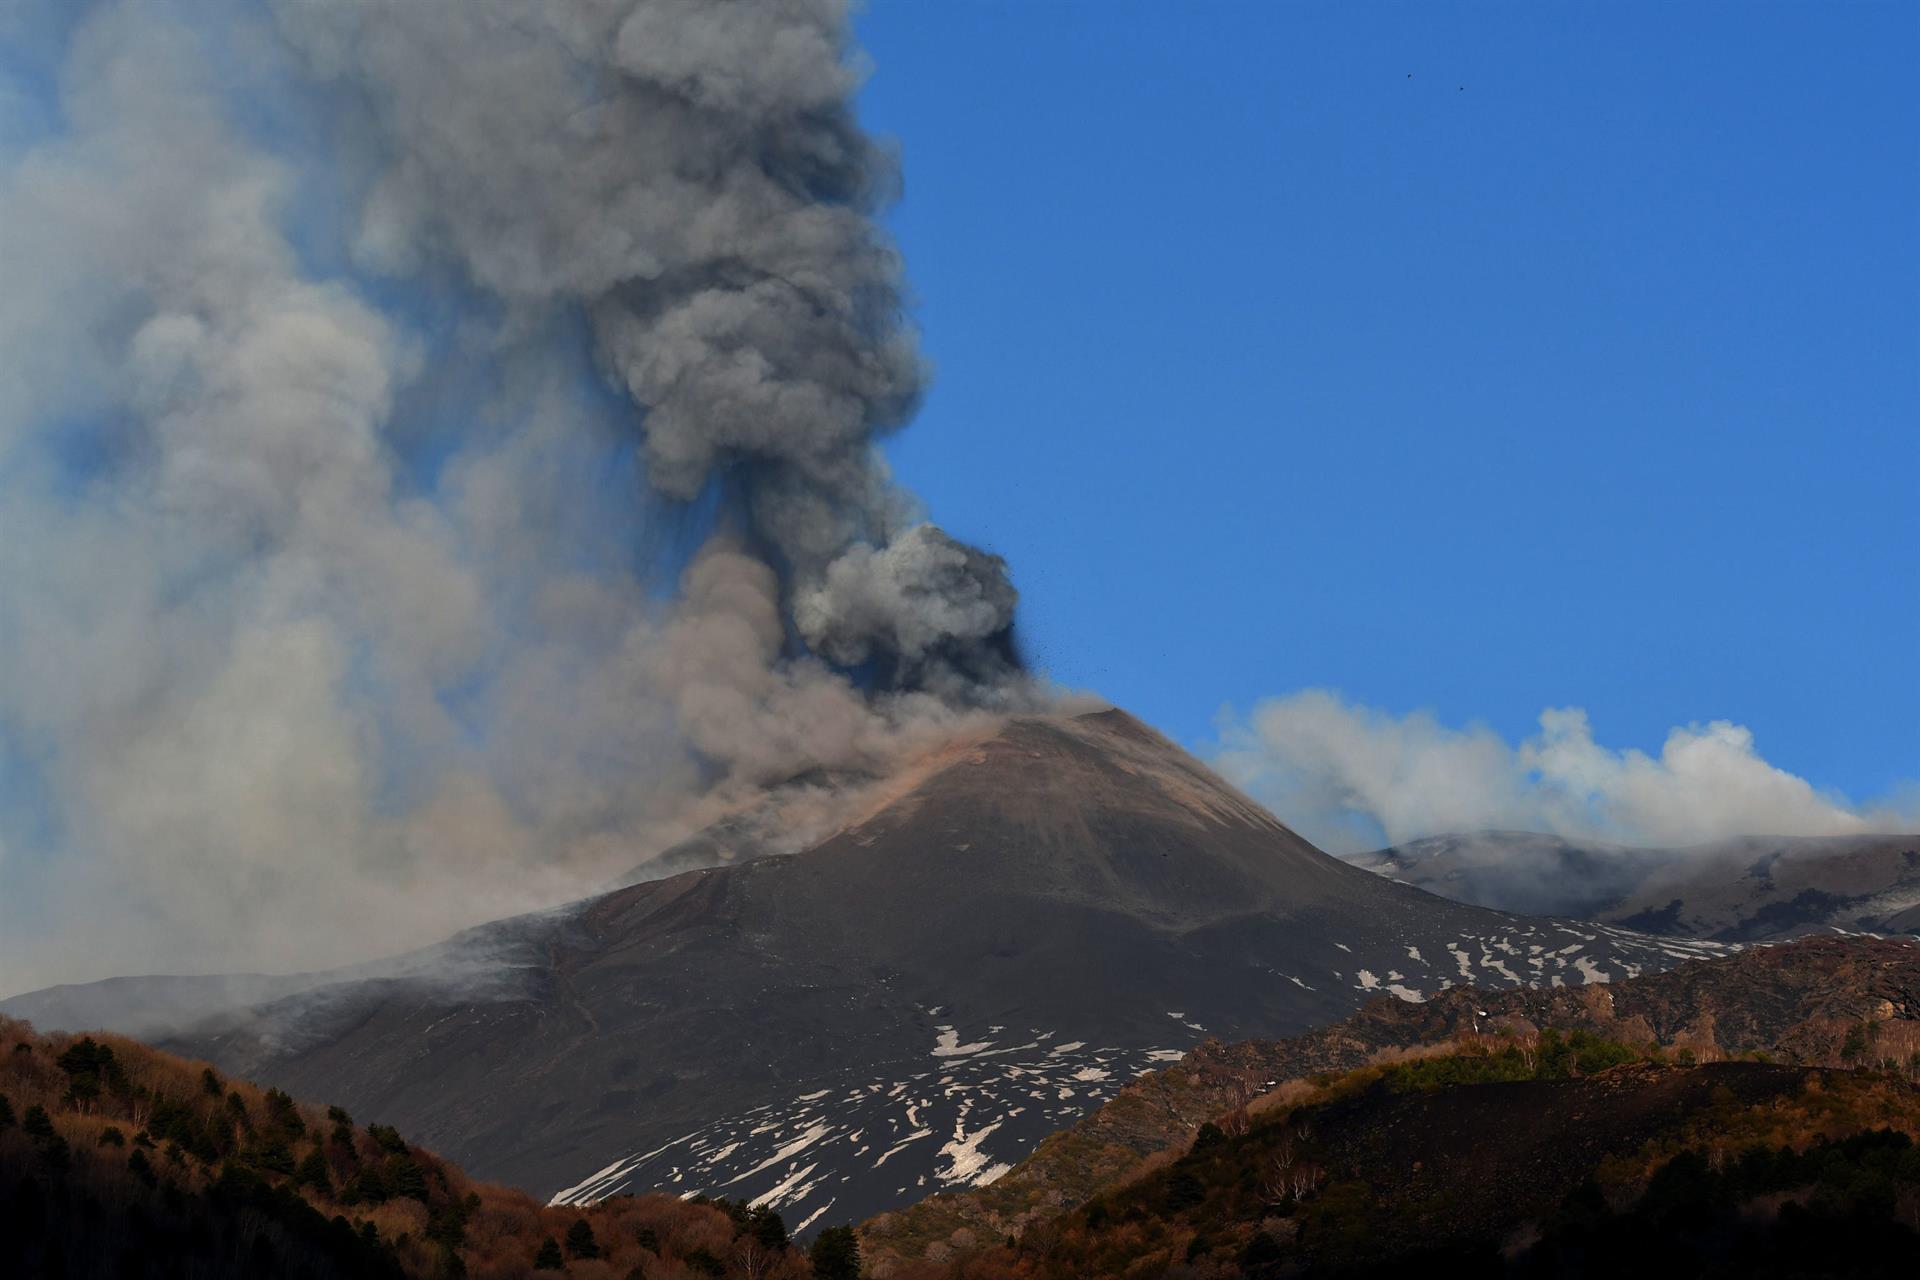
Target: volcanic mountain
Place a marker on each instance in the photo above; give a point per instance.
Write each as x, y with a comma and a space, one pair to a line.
907, 1005
1750, 888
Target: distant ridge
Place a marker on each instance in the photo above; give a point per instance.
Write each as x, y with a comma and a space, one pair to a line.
1744, 889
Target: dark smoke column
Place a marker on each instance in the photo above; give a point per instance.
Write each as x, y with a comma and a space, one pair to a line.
689, 173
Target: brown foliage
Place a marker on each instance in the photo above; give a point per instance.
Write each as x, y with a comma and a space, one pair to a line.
189, 1132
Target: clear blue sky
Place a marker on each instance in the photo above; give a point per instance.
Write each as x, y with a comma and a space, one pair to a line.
1592, 383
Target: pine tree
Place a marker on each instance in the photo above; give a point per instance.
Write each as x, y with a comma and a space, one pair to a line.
140, 1167
313, 1172
38, 1124
580, 1241
549, 1259
768, 1227
836, 1254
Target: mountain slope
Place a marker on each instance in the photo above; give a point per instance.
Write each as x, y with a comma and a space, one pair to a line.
1622, 1165
1746, 889
1819, 1002
906, 1005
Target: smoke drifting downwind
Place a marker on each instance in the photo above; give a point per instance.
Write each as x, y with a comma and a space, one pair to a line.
363, 356
1352, 779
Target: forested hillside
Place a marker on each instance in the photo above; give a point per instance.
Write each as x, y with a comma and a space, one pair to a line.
118, 1160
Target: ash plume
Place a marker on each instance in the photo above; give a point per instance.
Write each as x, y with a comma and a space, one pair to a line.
689, 174
437, 463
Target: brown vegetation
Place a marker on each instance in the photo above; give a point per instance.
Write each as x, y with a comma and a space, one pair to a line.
1489, 1159
117, 1159
1840, 1002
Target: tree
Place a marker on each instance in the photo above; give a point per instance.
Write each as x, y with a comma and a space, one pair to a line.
387, 1138
767, 1227
314, 1172
283, 1114
1210, 1135
6, 1114
140, 1167
405, 1179
753, 1259
836, 1254
549, 1259
38, 1124
210, 1083
580, 1241
89, 1066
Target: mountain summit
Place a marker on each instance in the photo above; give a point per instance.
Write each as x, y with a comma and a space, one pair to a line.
907, 1005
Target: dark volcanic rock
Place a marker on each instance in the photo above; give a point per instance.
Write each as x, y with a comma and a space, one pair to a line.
907, 1005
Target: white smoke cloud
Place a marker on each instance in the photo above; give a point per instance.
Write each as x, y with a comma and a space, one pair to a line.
909, 597
1352, 778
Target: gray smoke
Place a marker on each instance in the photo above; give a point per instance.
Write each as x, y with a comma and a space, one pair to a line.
337, 612
690, 173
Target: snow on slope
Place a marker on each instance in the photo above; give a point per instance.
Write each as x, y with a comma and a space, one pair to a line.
982, 1098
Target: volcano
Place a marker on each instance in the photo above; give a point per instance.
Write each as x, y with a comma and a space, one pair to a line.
907, 1005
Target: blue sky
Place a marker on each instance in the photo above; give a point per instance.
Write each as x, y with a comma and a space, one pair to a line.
1591, 382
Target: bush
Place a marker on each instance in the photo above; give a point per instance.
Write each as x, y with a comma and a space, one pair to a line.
1424, 1075
1581, 1054
1184, 1190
